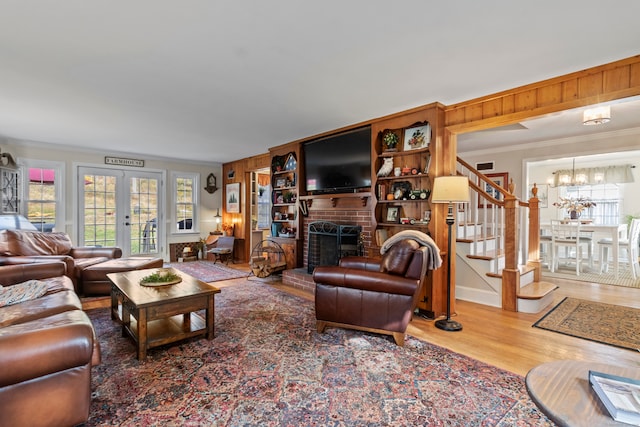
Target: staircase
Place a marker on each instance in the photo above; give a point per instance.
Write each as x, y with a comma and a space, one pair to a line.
497, 247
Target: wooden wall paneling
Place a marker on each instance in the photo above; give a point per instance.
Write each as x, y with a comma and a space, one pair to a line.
616, 80
590, 85
634, 78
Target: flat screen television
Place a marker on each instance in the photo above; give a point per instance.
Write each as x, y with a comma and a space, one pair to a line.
339, 163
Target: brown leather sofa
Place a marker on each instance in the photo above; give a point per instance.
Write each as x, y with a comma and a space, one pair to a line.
40, 246
375, 295
47, 349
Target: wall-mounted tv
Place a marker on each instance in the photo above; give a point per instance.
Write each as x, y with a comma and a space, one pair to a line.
339, 163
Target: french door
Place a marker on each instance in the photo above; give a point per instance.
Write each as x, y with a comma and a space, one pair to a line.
120, 208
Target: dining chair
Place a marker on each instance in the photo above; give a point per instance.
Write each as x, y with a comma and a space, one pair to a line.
545, 249
630, 245
567, 234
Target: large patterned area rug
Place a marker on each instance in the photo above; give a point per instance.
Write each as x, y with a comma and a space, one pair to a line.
605, 323
208, 271
267, 366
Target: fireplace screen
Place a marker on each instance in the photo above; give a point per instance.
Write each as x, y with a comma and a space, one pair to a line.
328, 242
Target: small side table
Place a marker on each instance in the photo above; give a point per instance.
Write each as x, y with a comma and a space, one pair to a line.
562, 391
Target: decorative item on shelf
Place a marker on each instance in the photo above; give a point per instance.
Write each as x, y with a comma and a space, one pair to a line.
290, 164
574, 207
450, 190
406, 171
387, 167
418, 136
393, 214
390, 140
228, 229
211, 184
419, 194
287, 232
427, 164
289, 197
397, 171
277, 164
401, 190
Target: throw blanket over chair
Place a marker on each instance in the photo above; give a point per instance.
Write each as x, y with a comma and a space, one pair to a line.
376, 295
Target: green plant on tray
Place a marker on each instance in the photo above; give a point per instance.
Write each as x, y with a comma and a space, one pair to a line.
161, 276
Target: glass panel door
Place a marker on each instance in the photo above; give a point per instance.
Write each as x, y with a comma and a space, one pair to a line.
120, 208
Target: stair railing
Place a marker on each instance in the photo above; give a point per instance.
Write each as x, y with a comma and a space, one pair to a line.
500, 228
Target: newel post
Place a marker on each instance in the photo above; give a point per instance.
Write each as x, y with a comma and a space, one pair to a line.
511, 273
533, 260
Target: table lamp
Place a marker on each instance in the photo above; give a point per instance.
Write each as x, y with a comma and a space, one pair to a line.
218, 220
449, 189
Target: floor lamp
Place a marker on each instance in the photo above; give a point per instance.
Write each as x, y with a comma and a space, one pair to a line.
449, 189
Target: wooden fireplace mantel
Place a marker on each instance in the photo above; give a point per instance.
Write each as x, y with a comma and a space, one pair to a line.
337, 201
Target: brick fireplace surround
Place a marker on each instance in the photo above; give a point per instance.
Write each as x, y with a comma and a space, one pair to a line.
299, 278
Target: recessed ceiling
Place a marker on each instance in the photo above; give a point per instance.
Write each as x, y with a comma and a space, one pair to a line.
216, 81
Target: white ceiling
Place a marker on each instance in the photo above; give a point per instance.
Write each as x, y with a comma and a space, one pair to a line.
216, 81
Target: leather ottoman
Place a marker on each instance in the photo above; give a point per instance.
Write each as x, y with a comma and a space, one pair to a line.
94, 278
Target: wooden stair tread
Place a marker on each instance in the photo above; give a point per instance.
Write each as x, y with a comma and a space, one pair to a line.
536, 290
489, 255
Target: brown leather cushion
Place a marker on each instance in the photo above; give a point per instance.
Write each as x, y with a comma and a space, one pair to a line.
33, 243
98, 272
397, 258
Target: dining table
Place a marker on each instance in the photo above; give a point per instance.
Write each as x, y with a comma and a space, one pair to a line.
616, 232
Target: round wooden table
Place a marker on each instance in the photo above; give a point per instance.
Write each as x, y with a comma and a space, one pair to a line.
562, 391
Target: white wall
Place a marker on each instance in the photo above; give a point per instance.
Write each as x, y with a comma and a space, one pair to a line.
614, 148
209, 203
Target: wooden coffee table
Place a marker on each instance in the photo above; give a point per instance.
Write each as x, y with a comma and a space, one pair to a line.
562, 391
158, 315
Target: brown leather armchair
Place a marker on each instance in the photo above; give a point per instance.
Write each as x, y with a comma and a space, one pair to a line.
376, 295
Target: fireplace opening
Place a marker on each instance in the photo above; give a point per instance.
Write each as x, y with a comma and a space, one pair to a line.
328, 242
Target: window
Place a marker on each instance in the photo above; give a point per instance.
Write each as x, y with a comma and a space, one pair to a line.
42, 204
185, 202
608, 200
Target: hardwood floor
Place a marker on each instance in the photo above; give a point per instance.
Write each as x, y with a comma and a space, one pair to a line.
507, 339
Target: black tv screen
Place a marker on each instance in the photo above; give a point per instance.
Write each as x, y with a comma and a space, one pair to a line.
339, 163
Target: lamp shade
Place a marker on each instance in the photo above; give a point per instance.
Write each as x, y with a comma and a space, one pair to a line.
597, 116
450, 189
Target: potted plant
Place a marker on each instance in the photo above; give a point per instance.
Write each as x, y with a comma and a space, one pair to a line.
288, 196
228, 229
390, 140
574, 207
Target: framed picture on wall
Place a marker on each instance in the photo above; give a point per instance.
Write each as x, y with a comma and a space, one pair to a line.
233, 198
543, 195
501, 180
417, 137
